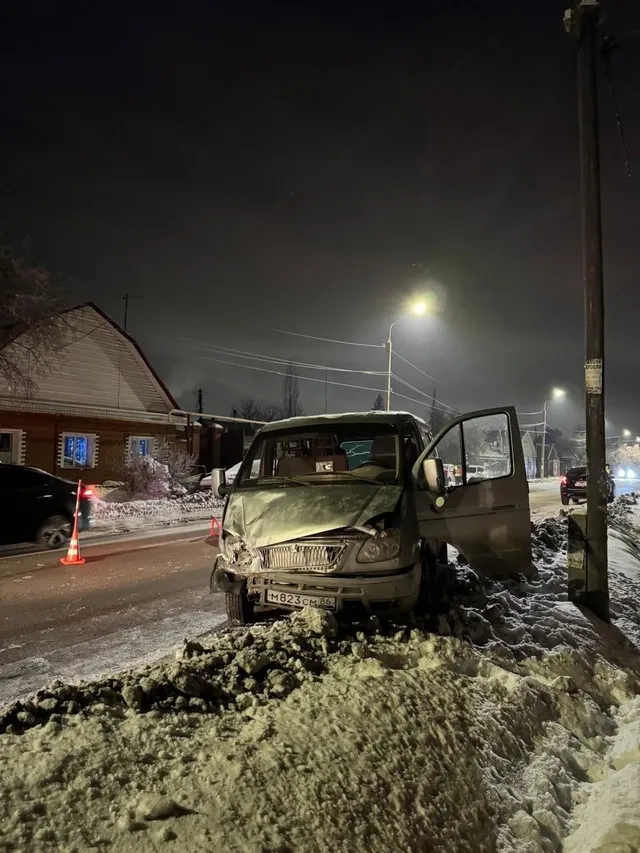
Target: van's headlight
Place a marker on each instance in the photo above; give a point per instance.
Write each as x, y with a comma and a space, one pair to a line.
381, 548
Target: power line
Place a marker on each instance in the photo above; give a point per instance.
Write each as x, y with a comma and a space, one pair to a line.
419, 369
442, 406
327, 340
269, 359
419, 402
610, 44
282, 373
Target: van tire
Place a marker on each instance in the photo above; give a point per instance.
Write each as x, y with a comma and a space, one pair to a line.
239, 608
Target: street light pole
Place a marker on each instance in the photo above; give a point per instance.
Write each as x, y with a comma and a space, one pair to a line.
390, 349
543, 467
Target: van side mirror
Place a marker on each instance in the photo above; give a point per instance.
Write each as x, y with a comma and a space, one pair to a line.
433, 471
219, 483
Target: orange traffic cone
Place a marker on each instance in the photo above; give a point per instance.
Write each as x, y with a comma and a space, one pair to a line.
73, 557
214, 533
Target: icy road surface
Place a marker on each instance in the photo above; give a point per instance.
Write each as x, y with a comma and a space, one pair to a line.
544, 497
131, 602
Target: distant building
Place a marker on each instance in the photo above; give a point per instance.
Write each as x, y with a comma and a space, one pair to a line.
530, 455
101, 403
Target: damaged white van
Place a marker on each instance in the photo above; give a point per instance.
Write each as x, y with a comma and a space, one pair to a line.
353, 513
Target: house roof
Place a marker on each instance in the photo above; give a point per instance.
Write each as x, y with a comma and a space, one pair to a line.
131, 340
159, 399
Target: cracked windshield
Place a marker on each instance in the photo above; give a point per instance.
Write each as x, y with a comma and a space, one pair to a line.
344, 452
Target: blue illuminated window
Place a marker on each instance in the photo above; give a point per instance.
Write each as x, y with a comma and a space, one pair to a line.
140, 445
78, 451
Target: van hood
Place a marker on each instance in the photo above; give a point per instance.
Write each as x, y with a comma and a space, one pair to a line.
263, 517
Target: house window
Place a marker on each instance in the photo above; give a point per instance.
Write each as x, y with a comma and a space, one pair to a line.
11, 446
78, 451
140, 445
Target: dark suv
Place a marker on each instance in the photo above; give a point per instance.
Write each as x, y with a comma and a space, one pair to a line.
38, 507
573, 485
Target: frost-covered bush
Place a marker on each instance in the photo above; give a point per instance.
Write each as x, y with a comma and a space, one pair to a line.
159, 476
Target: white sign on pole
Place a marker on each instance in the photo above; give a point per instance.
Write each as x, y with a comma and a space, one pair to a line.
593, 376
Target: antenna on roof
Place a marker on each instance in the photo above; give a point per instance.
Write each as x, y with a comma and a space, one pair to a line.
126, 298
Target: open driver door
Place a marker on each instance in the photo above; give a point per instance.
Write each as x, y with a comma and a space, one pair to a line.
485, 515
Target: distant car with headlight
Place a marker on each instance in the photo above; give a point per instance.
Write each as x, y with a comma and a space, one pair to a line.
573, 485
353, 513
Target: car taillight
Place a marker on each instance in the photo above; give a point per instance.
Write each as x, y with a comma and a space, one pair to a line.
563, 481
87, 492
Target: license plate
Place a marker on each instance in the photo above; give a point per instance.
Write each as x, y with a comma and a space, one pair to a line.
294, 599
581, 484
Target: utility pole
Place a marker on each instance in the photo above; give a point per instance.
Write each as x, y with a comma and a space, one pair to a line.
583, 21
126, 298
390, 350
543, 467
200, 409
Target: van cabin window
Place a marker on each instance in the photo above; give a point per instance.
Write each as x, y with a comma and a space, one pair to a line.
328, 453
476, 450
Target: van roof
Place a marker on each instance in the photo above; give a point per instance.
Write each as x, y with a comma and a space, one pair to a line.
346, 417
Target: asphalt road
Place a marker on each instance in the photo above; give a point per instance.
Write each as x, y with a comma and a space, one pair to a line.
133, 601
544, 498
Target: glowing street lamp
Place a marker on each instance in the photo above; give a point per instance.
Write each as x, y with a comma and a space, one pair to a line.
556, 394
419, 307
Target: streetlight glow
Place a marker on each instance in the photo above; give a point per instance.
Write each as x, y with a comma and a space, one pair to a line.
626, 432
418, 308
557, 393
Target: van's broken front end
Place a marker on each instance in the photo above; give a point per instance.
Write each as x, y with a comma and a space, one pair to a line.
317, 517
349, 571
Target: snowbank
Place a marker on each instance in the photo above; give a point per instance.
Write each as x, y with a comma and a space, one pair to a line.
516, 729
132, 515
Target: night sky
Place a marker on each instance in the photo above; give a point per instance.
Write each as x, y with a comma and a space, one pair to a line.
297, 166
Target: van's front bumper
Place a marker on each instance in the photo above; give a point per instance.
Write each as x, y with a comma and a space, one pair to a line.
381, 594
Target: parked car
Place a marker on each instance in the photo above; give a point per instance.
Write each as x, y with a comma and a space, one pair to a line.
475, 472
38, 507
353, 513
573, 485
231, 473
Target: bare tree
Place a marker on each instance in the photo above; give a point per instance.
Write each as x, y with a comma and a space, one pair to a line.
256, 410
291, 407
378, 403
32, 328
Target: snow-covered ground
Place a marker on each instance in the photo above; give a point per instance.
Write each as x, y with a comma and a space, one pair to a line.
124, 516
515, 728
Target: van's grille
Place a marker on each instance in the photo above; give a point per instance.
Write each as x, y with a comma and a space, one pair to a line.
301, 556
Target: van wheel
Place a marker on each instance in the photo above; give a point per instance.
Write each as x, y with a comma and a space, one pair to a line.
54, 533
239, 607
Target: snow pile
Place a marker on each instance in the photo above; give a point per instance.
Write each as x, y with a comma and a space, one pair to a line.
516, 729
521, 618
305, 736
128, 515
